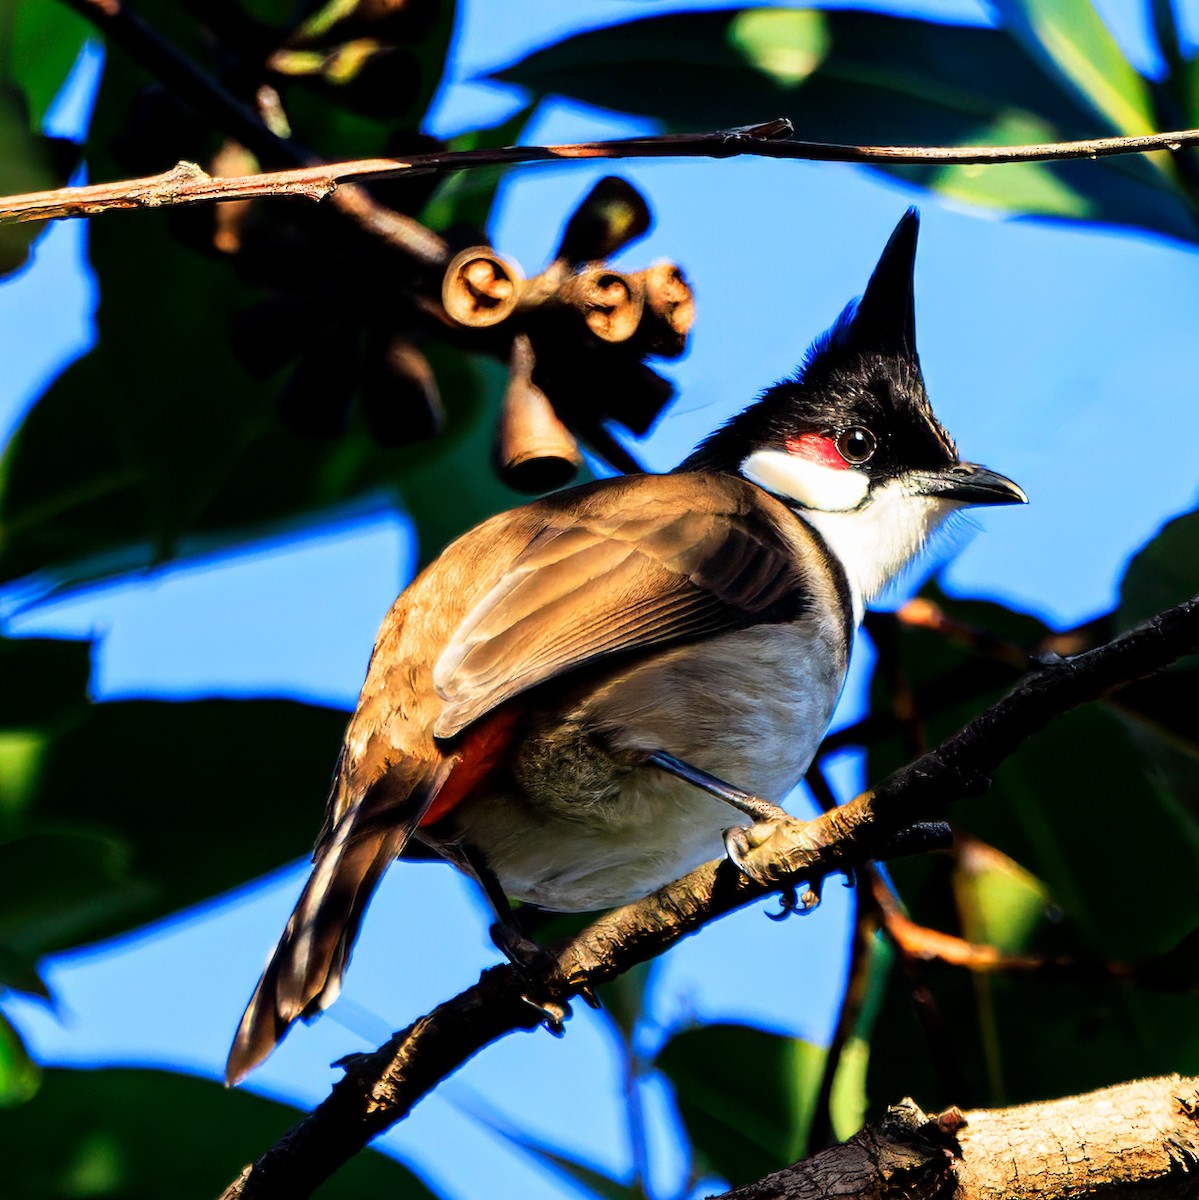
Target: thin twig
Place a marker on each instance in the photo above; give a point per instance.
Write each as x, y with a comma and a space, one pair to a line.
317, 181
380, 1089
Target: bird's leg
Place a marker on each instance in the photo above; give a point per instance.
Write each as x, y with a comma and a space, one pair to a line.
534, 961
738, 841
761, 811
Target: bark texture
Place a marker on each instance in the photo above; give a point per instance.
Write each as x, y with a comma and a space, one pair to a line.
1135, 1141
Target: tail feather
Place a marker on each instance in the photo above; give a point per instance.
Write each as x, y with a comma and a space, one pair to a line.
304, 974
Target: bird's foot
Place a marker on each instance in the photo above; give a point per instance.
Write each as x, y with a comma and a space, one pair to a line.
540, 967
753, 854
792, 903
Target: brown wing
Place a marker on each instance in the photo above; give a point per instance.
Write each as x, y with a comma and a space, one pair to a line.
658, 559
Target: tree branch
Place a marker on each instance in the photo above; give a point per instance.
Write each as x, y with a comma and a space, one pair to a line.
1134, 1139
187, 184
380, 1088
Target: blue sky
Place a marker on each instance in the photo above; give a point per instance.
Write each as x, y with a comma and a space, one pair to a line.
1057, 354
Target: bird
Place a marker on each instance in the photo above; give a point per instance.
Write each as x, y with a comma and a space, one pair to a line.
567, 701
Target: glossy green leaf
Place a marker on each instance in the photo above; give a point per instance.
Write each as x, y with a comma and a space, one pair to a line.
999, 903
857, 77
1071, 37
43, 43
745, 1096
19, 1074
122, 1134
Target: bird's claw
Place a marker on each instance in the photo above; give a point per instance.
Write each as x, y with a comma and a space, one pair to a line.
788, 904
791, 903
553, 1013
540, 967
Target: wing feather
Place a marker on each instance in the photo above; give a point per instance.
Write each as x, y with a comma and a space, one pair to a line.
620, 578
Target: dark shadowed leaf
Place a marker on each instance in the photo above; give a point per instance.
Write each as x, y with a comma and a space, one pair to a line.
1078, 807
28, 163
44, 679
130, 1133
1164, 573
1104, 866
112, 815
844, 76
1165, 724
185, 800
61, 889
745, 1096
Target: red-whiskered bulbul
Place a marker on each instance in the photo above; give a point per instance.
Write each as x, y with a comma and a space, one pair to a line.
553, 703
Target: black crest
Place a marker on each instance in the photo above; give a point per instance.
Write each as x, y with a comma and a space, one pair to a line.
864, 371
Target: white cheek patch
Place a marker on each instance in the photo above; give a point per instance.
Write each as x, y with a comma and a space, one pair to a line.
809, 483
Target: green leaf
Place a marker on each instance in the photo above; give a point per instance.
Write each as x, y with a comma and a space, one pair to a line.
44, 679
1054, 1035
1070, 36
158, 444
20, 1076
1077, 807
136, 1133
1086, 820
177, 803
785, 44
86, 797
857, 77
1164, 573
1164, 718
999, 903
45, 40
745, 1096
28, 163
61, 889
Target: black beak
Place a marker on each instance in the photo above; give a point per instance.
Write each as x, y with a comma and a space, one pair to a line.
967, 483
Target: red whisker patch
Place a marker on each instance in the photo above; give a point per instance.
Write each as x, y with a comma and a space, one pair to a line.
817, 448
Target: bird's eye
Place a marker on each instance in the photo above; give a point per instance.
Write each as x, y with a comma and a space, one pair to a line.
856, 444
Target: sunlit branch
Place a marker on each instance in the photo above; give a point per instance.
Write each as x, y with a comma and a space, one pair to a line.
188, 184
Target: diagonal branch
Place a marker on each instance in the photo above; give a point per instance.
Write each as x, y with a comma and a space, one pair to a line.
187, 184
381, 1088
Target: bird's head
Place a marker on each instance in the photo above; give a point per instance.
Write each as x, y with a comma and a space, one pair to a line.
850, 441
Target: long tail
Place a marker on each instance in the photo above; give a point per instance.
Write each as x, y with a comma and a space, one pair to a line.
304, 974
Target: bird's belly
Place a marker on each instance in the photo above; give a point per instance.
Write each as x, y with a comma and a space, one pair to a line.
585, 824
